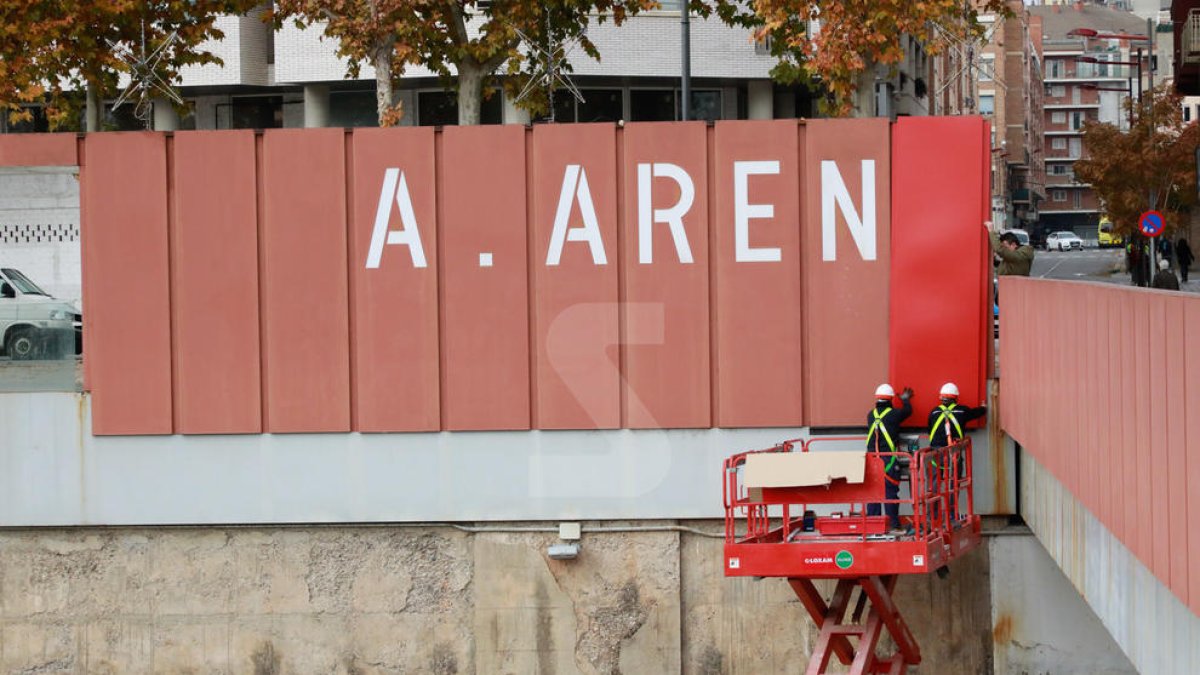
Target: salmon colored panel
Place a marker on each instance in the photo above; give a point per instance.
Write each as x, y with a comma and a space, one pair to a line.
39, 150
845, 249
1190, 373
393, 279
1174, 345
1142, 451
1103, 354
575, 251
485, 278
214, 274
305, 296
936, 332
666, 312
758, 294
124, 184
1127, 516
1160, 503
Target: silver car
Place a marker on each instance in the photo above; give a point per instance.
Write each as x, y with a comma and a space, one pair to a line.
33, 324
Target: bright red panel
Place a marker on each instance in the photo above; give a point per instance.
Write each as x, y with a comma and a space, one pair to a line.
575, 323
757, 290
937, 235
305, 296
124, 184
666, 317
39, 150
394, 287
846, 248
214, 273
485, 278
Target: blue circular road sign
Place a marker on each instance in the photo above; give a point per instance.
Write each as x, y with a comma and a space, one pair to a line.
1152, 223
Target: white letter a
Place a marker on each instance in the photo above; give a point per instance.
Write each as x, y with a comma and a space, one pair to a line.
409, 236
575, 186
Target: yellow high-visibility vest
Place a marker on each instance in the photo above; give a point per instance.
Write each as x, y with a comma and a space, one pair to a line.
878, 425
946, 413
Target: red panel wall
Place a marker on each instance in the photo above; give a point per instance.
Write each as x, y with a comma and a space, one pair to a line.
125, 271
395, 310
575, 324
757, 302
38, 150
305, 306
665, 301
1109, 415
485, 279
846, 295
214, 277
939, 258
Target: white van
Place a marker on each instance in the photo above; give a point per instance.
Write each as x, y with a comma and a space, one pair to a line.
34, 325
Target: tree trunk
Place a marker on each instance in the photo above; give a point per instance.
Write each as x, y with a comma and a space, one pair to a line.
92, 110
470, 93
383, 83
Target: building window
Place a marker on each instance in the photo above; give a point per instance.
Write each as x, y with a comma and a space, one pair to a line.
251, 112
353, 109
987, 68
1058, 91
1077, 119
659, 105
987, 104
1058, 118
1058, 195
1077, 199
1059, 144
440, 108
1059, 170
1187, 113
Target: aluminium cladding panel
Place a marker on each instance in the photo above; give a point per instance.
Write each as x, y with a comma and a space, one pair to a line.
757, 307
305, 315
936, 328
1176, 413
845, 239
126, 272
666, 284
214, 281
393, 280
1190, 374
575, 252
39, 150
485, 278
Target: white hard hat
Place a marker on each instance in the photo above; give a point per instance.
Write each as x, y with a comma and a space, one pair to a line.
949, 390
884, 391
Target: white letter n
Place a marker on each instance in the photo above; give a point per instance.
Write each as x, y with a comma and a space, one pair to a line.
395, 187
862, 229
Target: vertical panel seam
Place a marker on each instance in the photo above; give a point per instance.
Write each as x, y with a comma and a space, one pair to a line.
260, 225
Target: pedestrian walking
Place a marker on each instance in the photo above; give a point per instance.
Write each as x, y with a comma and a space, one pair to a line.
1183, 255
1015, 259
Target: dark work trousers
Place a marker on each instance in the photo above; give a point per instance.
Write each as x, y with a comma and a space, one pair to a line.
891, 490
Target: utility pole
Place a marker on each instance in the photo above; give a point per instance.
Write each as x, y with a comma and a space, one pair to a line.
1150, 136
686, 29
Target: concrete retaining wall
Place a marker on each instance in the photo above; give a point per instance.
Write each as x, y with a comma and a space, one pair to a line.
430, 600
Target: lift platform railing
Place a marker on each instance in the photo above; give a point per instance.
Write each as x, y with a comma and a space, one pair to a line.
940, 497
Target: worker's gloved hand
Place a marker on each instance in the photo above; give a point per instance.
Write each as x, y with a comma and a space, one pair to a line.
906, 394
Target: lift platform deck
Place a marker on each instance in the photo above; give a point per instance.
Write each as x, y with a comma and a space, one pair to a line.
822, 531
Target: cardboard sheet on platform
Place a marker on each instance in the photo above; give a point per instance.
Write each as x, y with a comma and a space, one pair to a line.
802, 469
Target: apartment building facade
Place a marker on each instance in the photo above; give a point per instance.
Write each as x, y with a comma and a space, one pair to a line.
1086, 79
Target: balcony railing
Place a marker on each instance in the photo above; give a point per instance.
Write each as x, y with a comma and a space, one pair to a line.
1190, 37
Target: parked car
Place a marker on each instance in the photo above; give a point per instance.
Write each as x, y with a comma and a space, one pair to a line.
1021, 235
1063, 241
34, 324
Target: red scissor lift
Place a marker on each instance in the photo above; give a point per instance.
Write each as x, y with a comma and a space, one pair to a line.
767, 534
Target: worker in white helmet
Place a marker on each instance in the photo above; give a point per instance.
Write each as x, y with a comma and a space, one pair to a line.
949, 417
883, 422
